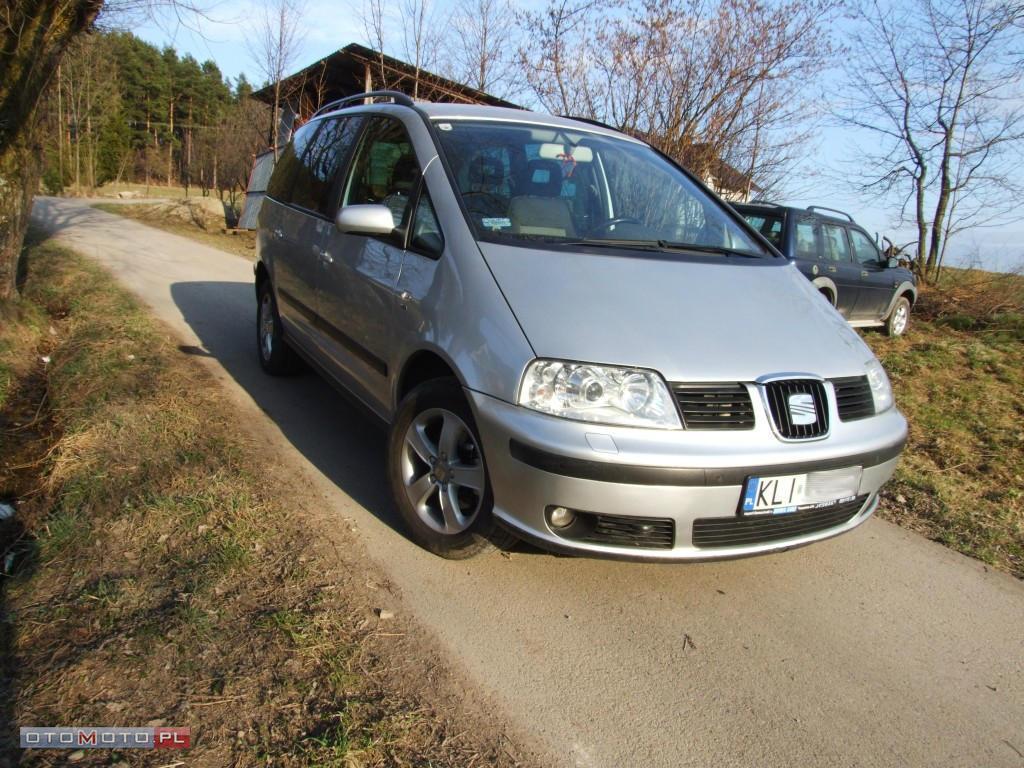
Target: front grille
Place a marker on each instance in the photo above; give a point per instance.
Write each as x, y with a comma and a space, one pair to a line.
779, 394
854, 398
714, 406
621, 531
711, 532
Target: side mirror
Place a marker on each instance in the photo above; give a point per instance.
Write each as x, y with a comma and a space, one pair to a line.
892, 262
365, 220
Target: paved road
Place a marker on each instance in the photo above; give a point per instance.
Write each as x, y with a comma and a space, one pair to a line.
875, 649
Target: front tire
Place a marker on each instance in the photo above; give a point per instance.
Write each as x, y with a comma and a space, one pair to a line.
898, 320
438, 475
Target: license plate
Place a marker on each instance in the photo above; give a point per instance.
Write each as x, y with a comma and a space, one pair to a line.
785, 494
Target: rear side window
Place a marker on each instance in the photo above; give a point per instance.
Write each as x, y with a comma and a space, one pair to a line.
836, 247
287, 167
863, 248
769, 226
325, 153
806, 245
385, 170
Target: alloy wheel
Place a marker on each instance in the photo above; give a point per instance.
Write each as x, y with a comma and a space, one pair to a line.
443, 471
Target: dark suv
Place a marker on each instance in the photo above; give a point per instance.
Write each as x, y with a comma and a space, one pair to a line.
841, 259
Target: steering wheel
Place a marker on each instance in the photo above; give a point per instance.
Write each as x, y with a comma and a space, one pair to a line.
493, 205
606, 225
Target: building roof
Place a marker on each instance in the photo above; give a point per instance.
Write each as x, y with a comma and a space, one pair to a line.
349, 70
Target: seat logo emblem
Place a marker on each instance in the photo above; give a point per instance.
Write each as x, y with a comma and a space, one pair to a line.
801, 409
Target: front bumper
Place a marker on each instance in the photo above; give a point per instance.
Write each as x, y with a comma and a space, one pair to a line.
537, 461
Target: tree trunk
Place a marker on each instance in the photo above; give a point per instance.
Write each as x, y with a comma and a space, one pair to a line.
31, 45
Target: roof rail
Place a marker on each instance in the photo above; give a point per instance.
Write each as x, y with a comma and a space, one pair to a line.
813, 208
396, 96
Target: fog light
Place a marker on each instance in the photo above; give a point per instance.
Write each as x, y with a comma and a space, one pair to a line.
560, 517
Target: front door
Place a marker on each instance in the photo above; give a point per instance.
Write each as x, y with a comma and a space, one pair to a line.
876, 279
357, 286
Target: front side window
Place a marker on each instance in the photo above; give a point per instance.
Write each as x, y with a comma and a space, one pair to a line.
863, 248
836, 247
543, 186
385, 170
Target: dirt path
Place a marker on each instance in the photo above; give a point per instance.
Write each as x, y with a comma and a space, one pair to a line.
875, 649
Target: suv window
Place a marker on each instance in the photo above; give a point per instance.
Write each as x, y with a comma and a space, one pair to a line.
836, 246
863, 248
806, 242
385, 170
315, 175
281, 182
769, 225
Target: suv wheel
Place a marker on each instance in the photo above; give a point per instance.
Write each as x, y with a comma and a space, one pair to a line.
276, 357
899, 318
438, 475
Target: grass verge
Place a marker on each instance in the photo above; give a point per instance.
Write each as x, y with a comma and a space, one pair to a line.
157, 574
958, 374
240, 242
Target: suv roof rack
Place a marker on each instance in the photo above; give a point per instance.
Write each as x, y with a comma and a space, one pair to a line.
396, 96
813, 208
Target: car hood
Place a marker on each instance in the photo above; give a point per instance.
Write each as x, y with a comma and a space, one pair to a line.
691, 320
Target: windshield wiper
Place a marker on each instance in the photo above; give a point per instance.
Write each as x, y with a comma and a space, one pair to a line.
648, 245
719, 249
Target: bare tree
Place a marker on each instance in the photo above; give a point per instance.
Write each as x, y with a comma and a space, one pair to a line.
420, 36
33, 36
274, 45
714, 83
484, 50
938, 92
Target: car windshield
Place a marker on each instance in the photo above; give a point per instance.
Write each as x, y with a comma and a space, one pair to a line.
547, 186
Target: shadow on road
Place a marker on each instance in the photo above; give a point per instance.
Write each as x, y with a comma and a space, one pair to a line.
340, 439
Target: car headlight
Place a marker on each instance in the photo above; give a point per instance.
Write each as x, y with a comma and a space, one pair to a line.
599, 393
881, 389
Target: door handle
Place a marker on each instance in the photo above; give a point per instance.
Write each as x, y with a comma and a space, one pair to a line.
323, 255
405, 297
832, 269
863, 273
277, 233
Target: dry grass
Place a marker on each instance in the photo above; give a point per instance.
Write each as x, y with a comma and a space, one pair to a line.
162, 575
959, 377
239, 242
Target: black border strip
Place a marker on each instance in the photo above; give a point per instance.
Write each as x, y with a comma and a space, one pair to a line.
353, 346
631, 474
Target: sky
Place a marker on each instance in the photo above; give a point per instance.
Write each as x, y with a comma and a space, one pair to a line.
328, 26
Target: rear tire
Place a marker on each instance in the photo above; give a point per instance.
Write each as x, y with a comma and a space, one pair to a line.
276, 357
438, 475
898, 320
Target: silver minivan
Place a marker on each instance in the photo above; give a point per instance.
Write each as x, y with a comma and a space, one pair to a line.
573, 341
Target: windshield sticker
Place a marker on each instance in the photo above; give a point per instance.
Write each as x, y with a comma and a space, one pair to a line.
444, 126
496, 224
